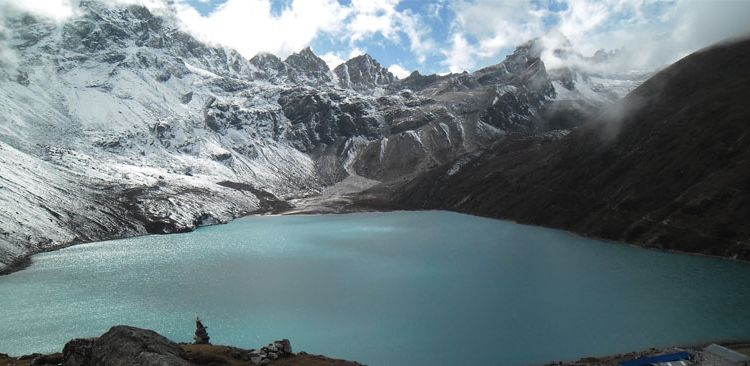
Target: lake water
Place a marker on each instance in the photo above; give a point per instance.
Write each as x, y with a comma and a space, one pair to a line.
401, 288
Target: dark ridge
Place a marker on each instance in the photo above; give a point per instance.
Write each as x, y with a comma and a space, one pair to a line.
666, 167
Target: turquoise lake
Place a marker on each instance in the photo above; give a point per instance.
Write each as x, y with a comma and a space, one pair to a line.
399, 288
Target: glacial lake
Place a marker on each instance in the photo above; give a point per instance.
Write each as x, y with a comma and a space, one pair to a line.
399, 288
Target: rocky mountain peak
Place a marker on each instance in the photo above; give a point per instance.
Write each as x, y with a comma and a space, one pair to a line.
522, 68
305, 66
363, 72
268, 65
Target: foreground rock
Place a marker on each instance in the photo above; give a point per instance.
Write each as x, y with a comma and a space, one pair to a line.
145, 347
125, 345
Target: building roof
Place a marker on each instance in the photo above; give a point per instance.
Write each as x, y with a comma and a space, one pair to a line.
726, 353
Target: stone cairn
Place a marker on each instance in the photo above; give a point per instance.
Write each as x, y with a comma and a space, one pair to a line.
271, 352
201, 334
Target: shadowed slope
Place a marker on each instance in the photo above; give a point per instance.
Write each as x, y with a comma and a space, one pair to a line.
668, 166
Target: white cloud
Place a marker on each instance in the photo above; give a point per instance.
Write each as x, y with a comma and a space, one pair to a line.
461, 55
418, 34
381, 17
649, 33
495, 25
250, 27
373, 16
434, 9
654, 40
332, 60
52, 9
356, 51
399, 71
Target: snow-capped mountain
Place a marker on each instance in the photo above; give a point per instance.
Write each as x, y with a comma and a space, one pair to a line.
363, 73
117, 123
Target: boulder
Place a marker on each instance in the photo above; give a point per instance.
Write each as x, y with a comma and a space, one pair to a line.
77, 352
284, 345
259, 360
123, 345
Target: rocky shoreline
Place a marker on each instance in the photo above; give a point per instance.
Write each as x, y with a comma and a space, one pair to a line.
697, 353
373, 199
269, 204
125, 345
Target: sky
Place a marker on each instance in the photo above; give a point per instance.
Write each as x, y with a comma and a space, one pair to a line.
443, 36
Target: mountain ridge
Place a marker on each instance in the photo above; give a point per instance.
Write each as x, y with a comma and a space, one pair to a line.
666, 167
117, 123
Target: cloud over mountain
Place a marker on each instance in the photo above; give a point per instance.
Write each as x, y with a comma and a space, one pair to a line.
445, 35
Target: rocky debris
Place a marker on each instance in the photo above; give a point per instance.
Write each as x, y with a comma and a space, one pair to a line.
273, 351
201, 333
123, 346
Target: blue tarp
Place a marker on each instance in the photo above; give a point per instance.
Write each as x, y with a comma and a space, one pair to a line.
645, 361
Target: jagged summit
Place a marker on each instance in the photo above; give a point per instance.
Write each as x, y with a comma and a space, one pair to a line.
306, 66
363, 72
523, 67
269, 66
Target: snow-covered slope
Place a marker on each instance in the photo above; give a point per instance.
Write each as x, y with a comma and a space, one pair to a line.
117, 123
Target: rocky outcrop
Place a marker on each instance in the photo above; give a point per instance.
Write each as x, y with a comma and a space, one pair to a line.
363, 73
268, 66
124, 346
273, 351
305, 67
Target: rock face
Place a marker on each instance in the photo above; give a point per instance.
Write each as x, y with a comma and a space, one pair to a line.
665, 167
117, 123
306, 67
123, 345
363, 73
